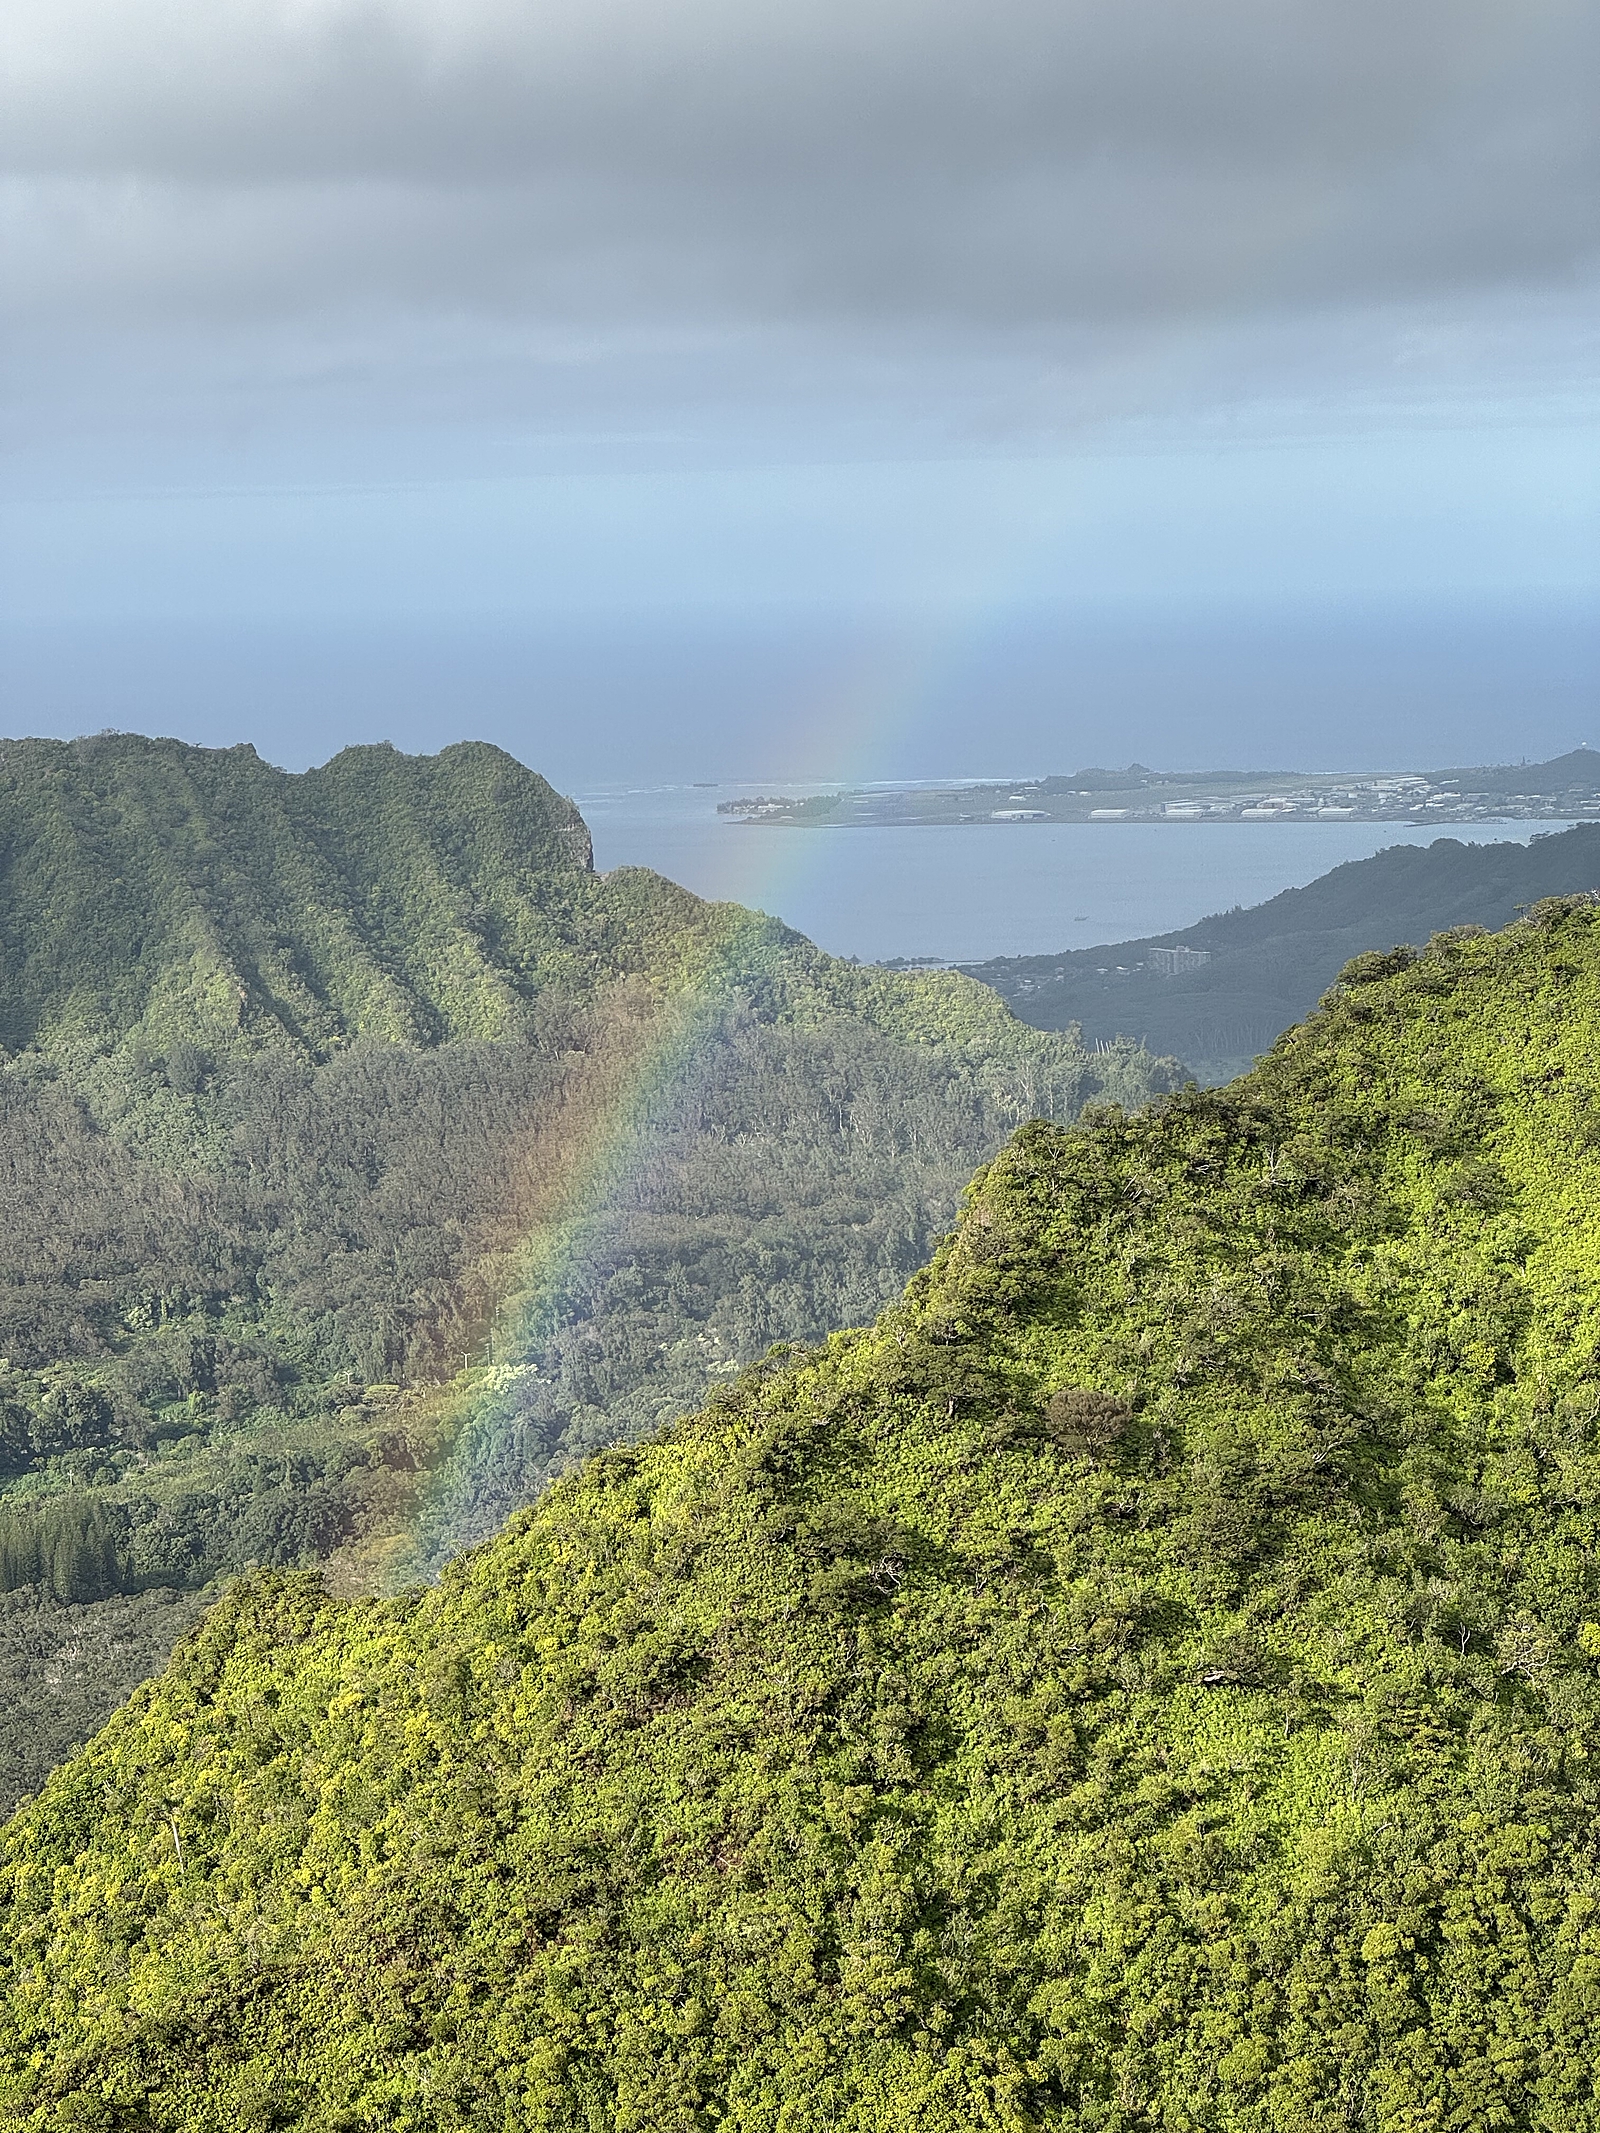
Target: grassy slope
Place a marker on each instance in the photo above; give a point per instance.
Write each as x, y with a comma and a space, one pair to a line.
1272, 961
908, 1741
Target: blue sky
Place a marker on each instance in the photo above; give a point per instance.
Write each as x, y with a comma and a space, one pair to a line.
860, 391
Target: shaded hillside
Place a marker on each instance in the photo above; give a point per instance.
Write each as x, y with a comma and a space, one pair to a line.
199, 894
1571, 774
307, 1073
1152, 1678
1270, 963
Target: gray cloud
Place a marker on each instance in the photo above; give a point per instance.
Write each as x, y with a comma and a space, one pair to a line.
610, 165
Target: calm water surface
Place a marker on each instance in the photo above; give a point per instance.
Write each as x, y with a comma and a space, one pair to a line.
978, 889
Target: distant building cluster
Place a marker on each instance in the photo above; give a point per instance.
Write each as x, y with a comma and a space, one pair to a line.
1326, 802
1566, 789
1173, 962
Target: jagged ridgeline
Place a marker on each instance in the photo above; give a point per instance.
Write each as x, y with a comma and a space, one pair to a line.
298, 1070
1152, 1678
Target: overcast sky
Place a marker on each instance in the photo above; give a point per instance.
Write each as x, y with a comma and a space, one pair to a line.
641, 385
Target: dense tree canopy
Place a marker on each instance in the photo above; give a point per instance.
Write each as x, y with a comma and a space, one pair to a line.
1149, 1679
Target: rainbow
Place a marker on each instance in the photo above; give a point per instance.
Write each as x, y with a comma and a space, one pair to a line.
858, 721
650, 1052
650, 1047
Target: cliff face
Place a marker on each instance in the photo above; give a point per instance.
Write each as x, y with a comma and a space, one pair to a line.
1151, 1678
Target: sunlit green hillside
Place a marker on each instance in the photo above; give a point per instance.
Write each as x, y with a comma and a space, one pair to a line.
1150, 1679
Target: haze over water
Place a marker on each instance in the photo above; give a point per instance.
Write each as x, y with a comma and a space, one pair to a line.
970, 891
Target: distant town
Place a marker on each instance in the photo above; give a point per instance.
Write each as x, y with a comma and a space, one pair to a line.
1566, 789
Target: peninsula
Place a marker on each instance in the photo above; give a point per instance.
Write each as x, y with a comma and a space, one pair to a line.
1567, 788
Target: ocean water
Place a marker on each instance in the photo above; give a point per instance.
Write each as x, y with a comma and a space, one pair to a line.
975, 890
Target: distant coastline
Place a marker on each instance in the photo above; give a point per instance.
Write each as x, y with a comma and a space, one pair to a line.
1565, 789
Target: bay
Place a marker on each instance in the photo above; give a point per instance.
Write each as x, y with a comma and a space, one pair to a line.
969, 891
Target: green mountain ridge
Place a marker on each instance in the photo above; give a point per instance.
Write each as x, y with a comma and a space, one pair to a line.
154, 889
1268, 964
1151, 1678
299, 1071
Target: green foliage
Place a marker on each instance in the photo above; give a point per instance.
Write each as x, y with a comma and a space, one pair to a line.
63, 1665
301, 1065
199, 898
791, 1182
70, 1546
1147, 1680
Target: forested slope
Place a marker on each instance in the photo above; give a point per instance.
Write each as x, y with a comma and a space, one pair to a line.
157, 891
1270, 963
1152, 1678
299, 1071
